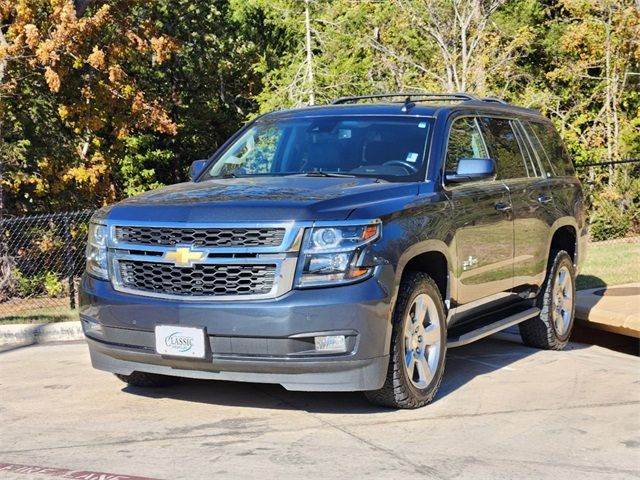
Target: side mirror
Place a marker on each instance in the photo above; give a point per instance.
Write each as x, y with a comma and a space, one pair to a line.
472, 169
196, 169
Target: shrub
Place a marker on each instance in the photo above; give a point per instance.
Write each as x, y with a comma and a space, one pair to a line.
52, 284
46, 283
27, 286
615, 210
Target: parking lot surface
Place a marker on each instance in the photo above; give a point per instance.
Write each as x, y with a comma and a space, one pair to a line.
503, 411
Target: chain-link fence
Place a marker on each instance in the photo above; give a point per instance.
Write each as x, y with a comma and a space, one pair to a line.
41, 259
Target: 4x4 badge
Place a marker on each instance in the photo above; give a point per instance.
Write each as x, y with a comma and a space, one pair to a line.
184, 256
469, 263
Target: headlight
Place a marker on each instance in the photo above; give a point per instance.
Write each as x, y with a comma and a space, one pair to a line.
97, 251
333, 255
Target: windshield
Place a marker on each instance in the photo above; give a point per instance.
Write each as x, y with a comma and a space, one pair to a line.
386, 147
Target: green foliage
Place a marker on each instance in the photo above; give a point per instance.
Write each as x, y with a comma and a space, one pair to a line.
615, 209
45, 283
138, 165
52, 285
25, 286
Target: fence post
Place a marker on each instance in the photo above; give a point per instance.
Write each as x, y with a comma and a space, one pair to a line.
70, 263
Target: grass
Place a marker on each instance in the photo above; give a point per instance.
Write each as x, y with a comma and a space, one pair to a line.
610, 264
40, 315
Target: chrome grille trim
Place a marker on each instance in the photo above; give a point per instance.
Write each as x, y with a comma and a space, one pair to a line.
283, 265
200, 237
291, 239
282, 257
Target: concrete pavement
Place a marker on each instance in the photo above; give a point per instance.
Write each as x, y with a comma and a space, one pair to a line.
504, 411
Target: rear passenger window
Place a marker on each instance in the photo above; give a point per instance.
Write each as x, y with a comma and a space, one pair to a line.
503, 147
553, 147
465, 141
546, 164
530, 161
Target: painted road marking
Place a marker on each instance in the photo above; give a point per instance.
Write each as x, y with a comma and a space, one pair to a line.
66, 473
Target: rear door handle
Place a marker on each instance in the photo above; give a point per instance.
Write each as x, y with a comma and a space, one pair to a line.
544, 200
503, 207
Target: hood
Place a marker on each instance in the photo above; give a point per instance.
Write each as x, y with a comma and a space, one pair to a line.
259, 199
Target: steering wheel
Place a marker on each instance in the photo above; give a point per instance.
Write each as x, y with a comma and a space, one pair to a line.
400, 163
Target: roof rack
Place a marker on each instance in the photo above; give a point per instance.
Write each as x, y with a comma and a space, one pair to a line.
494, 100
409, 97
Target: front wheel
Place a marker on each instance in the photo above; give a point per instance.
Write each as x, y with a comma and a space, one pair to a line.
552, 329
418, 346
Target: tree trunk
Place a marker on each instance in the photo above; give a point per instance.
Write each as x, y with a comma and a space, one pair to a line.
310, 79
479, 73
3, 63
608, 90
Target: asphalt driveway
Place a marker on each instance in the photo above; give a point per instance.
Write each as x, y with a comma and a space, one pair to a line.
504, 411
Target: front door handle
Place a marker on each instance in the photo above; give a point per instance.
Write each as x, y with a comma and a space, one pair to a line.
503, 207
544, 200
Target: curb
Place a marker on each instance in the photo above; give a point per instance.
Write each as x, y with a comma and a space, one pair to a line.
29, 334
614, 309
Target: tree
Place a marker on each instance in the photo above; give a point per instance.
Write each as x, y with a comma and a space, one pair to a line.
106, 99
287, 40
596, 70
67, 96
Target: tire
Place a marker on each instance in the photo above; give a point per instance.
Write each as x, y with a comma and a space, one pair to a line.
418, 348
552, 328
147, 380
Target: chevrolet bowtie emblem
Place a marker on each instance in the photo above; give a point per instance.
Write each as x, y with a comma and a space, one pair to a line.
184, 256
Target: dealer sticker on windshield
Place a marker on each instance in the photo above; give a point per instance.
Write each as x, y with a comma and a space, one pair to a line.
180, 341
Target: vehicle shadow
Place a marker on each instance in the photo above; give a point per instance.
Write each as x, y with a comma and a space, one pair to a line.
463, 365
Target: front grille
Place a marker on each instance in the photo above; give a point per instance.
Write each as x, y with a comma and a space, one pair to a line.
201, 237
199, 280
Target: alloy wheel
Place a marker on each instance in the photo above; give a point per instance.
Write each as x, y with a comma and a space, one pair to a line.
562, 306
422, 341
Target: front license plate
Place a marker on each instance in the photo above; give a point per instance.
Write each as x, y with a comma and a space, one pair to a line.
180, 341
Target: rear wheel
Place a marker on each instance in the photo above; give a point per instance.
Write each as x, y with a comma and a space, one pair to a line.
552, 329
147, 380
418, 346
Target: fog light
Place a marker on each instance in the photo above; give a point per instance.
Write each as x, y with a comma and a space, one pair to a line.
93, 326
331, 343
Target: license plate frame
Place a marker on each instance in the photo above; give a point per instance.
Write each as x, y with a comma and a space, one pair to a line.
179, 341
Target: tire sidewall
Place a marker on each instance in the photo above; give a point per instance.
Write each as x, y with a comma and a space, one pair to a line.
562, 258
421, 287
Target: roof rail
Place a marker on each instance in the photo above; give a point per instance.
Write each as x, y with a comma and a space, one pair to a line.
408, 97
494, 100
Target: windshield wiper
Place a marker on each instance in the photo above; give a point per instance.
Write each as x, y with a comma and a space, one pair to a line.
326, 174
228, 175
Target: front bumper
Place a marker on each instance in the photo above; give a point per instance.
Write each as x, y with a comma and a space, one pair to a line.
266, 341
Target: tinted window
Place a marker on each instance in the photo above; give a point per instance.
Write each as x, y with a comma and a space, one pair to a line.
538, 149
386, 147
465, 141
553, 147
530, 161
503, 147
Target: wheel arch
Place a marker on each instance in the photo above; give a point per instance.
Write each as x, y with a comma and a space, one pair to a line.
565, 237
433, 258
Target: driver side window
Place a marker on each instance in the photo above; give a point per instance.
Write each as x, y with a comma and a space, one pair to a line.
465, 141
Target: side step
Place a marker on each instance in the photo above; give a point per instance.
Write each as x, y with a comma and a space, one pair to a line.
492, 328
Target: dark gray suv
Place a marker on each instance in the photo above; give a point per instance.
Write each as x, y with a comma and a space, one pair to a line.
342, 247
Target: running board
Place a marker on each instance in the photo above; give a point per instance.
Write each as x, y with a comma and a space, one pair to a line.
492, 328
